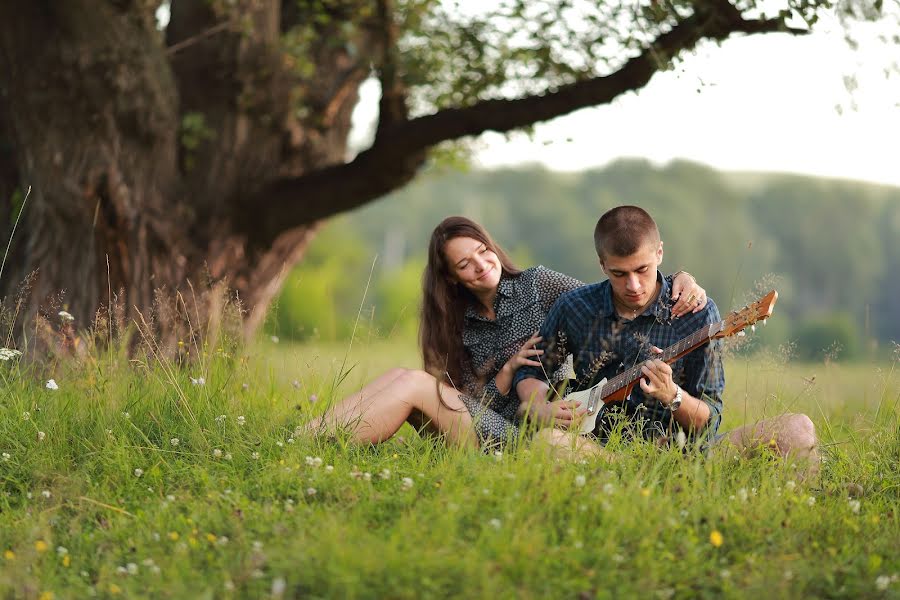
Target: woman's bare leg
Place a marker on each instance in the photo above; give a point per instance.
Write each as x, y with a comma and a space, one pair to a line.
376, 412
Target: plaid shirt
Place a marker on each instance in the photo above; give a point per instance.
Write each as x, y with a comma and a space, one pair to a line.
584, 323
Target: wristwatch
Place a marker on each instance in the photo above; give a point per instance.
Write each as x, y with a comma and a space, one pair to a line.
675, 404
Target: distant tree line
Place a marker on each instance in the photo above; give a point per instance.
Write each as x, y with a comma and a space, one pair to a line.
831, 248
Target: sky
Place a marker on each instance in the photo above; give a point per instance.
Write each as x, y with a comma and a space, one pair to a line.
756, 103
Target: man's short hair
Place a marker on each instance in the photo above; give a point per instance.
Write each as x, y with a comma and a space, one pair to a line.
623, 231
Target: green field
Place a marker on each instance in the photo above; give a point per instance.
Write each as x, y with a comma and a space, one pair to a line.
132, 481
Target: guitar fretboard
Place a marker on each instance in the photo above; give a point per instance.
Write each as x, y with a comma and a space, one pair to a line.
669, 354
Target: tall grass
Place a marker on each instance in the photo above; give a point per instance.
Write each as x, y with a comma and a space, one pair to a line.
148, 482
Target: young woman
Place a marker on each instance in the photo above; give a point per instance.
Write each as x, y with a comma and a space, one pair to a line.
478, 322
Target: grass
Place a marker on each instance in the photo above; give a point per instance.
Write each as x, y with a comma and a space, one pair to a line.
105, 504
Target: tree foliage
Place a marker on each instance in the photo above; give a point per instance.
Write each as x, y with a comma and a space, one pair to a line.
210, 151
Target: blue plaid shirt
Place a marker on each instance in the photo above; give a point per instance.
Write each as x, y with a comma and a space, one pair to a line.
584, 323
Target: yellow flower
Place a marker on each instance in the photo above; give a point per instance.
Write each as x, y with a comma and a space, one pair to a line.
41, 546
715, 538
211, 538
645, 492
46, 596
173, 535
114, 589
66, 560
9, 554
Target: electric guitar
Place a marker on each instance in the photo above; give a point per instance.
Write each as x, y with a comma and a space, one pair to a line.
619, 387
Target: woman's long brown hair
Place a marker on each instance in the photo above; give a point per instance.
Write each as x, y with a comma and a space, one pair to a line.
444, 301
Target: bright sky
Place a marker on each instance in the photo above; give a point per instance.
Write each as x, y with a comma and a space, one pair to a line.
765, 103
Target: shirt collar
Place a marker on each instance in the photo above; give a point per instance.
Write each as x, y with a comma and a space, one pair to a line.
505, 290
659, 309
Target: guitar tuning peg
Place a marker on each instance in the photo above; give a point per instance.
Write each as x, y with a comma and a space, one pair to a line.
741, 333
765, 322
753, 328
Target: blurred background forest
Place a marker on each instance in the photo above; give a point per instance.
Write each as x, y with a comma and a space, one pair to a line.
830, 247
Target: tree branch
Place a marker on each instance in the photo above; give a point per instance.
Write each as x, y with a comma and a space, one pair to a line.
399, 150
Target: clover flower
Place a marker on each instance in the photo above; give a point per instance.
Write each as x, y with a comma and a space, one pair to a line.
51, 384
174, 441
138, 472
255, 456
241, 420
274, 339
46, 494
385, 474
5, 456
41, 436
65, 317
311, 491
854, 506
217, 453
198, 381
882, 582
313, 397
406, 483
26, 416
495, 523
580, 480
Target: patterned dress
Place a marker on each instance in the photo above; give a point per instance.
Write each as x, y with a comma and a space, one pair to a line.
521, 304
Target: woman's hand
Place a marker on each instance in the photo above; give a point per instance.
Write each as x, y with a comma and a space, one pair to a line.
561, 413
523, 357
689, 296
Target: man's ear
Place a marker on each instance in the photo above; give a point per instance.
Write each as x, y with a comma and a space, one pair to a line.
659, 253
602, 265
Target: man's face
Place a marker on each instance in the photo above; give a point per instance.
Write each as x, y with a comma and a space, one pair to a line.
633, 277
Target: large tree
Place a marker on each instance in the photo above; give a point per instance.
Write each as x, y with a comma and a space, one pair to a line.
209, 150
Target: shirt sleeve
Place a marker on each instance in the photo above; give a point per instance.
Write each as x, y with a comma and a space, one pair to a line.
704, 374
554, 344
552, 284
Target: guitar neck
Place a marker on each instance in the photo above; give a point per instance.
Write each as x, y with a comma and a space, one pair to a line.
617, 387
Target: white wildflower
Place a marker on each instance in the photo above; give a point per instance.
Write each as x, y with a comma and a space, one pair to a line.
290, 440
9, 354
367, 476
126, 414
217, 453
221, 419
495, 523
258, 545
46, 494
580, 480
6, 456
407, 483
51, 384
198, 381
138, 472
255, 456
278, 587
329, 468
241, 420
882, 582
174, 441
854, 506
811, 500
274, 339
608, 488
790, 485
742, 494
313, 397
62, 550
227, 456
170, 497
66, 317
26, 416
41, 436
311, 491
385, 474
498, 455
296, 384
132, 568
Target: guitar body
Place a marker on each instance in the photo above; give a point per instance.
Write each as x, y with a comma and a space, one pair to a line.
589, 399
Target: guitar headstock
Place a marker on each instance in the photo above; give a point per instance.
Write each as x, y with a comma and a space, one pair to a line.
757, 311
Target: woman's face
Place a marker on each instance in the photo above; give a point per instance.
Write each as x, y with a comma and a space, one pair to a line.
473, 264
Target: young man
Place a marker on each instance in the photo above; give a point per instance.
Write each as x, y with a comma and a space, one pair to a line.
622, 322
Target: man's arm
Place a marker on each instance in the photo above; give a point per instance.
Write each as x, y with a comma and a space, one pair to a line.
693, 414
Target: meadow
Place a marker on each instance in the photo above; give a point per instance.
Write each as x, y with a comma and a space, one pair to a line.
152, 479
